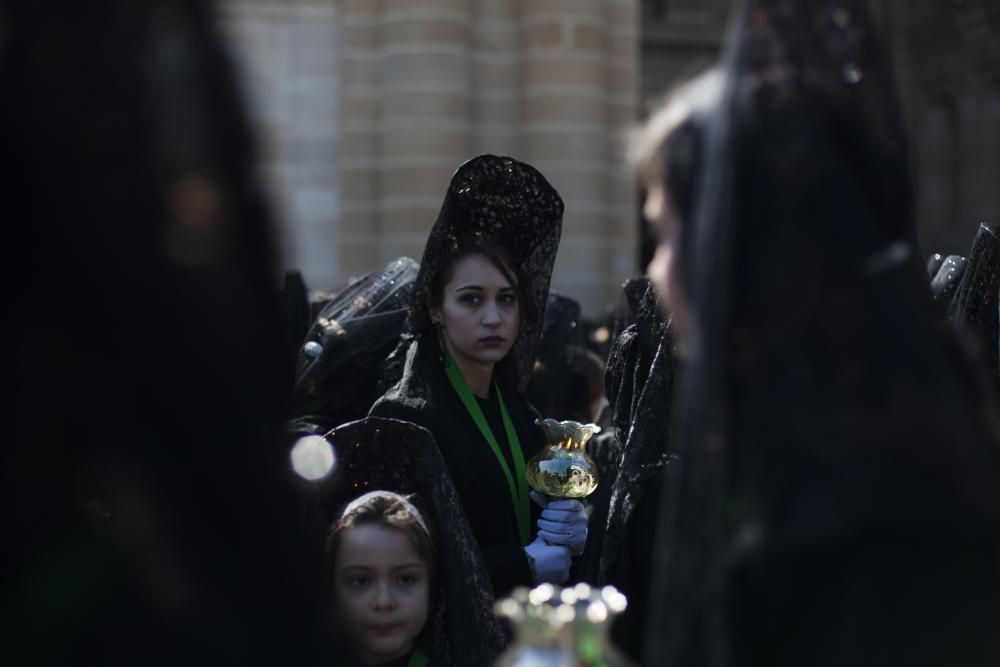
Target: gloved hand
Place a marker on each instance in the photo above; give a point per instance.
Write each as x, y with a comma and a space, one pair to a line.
563, 522
550, 563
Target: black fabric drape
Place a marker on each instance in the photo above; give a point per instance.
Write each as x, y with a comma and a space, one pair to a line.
388, 454
639, 383
473, 469
146, 498
337, 365
837, 495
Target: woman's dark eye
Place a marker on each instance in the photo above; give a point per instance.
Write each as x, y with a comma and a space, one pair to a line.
358, 582
508, 299
408, 579
470, 299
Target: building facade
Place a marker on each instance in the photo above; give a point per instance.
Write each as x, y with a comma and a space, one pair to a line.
370, 105
365, 108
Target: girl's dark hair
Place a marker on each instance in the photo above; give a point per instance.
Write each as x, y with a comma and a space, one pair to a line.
391, 510
499, 256
668, 149
384, 508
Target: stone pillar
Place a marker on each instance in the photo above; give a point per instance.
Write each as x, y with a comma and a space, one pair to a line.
360, 120
286, 53
496, 73
574, 94
426, 126
623, 102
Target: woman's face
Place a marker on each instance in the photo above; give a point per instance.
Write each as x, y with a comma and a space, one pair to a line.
479, 316
663, 269
382, 590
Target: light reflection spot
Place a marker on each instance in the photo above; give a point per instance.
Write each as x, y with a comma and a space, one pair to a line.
312, 457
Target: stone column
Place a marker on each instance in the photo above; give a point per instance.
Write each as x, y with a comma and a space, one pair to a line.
571, 99
426, 129
286, 52
623, 101
496, 74
360, 119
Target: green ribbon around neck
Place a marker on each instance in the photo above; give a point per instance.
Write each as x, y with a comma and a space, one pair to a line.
518, 484
417, 659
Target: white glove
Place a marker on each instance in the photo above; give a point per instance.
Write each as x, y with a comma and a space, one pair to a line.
563, 522
549, 563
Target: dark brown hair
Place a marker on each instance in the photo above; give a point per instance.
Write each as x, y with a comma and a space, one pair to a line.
497, 255
667, 149
384, 508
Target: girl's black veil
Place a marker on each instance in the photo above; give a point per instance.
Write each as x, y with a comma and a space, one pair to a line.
388, 454
823, 401
507, 203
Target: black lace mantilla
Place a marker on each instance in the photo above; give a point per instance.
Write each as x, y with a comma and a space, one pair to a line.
638, 383
510, 204
388, 454
336, 371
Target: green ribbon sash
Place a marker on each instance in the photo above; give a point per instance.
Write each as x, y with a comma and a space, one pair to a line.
518, 485
417, 659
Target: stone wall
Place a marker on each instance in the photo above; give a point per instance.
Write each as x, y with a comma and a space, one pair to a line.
429, 83
366, 107
287, 53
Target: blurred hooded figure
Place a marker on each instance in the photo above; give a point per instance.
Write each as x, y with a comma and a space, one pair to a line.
837, 495
147, 499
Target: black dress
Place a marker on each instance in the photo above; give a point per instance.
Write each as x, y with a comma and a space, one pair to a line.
473, 468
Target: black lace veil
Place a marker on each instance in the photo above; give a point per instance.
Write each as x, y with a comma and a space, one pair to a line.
388, 454
555, 389
509, 204
822, 400
336, 374
639, 383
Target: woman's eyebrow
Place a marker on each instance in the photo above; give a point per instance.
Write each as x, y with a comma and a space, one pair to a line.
469, 287
407, 566
356, 566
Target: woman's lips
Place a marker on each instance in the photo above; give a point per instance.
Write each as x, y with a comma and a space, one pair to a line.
385, 628
492, 340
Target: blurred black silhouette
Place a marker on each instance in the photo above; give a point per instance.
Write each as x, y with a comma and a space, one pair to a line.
146, 501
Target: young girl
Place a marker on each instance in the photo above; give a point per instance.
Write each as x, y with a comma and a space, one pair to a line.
462, 363
383, 560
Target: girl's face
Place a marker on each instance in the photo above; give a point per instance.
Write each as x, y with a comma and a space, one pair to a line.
382, 590
663, 269
479, 314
